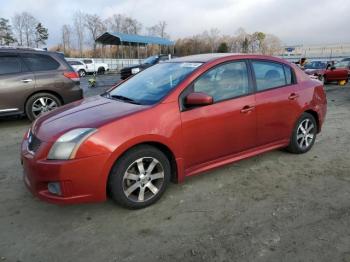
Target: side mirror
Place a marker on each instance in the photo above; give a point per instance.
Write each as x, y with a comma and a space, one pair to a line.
198, 99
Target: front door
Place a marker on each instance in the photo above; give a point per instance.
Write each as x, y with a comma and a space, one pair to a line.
226, 127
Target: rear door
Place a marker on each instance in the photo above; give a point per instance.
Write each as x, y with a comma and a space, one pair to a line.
277, 105
16, 83
226, 127
48, 72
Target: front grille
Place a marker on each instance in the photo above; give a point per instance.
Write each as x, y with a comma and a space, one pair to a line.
33, 142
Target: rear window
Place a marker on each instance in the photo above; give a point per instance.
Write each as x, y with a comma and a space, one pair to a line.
270, 75
39, 62
9, 65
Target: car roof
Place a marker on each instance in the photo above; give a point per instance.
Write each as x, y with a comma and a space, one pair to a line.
204, 58
24, 50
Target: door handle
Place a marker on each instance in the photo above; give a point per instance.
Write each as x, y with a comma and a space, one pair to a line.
26, 80
247, 109
293, 96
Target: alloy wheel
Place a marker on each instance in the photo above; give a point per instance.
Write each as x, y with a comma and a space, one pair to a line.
143, 179
42, 105
305, 133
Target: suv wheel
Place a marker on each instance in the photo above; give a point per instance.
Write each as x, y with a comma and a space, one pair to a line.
139, 177
41, 103
304, 134
82, 73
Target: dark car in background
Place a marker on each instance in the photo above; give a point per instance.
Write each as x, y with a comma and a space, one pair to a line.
33, 82
150, 61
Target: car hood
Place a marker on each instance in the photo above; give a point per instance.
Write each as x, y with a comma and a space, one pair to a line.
90, 112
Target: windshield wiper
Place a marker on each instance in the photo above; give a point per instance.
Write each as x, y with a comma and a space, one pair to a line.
124, 98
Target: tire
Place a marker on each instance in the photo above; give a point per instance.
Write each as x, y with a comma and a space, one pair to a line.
82, 73
301, 142
43, 102
322, 79
134, 189
101, 71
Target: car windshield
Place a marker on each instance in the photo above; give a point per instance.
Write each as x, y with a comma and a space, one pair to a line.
342, 64
151, 85
150, 60
316, 65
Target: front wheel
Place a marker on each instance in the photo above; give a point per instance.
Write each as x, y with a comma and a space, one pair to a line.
139, 177
82, 73
322, 79
304, 134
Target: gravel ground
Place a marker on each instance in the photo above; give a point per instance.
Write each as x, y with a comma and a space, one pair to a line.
273, 207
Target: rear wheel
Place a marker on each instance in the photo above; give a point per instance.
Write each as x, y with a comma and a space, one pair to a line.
304, 134
139, 177
41, 103
101, 71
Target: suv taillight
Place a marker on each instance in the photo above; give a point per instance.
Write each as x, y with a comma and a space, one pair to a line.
72, 75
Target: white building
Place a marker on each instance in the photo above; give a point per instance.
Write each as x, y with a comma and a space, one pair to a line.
323, 52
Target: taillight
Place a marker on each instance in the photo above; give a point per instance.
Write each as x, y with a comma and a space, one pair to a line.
72, 75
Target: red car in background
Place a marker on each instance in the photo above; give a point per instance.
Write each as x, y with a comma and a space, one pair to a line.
171, 121
326, 73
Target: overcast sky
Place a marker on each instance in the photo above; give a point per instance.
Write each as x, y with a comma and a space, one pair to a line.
293, 21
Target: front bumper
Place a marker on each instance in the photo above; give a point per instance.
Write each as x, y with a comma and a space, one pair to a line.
80, 180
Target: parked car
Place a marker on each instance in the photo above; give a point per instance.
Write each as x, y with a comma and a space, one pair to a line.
33, 82
346, 59
79, 67
173, 120
149, 61
326, 72
94, 67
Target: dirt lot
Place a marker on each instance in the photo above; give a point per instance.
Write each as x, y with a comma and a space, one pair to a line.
274, 207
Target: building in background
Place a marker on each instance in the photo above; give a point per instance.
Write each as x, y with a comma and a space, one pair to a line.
320, 52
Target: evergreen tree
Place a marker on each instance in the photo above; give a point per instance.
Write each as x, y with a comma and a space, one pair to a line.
41, 34
6, 36
223, 48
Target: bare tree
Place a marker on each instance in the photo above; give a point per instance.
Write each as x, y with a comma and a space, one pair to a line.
131, 26
158, 29
95, 27
18, 26
79, 26
30, 24
115, 22
213, 36
66, 37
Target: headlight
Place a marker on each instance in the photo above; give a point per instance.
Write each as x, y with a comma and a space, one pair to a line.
135, 70
67, 145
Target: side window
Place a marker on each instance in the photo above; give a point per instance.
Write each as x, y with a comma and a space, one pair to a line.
38, 62
224, 81
268, 75
72, 62
87, 61
289, 75
9, 65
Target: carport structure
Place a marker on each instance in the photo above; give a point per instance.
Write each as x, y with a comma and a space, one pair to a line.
131, 40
